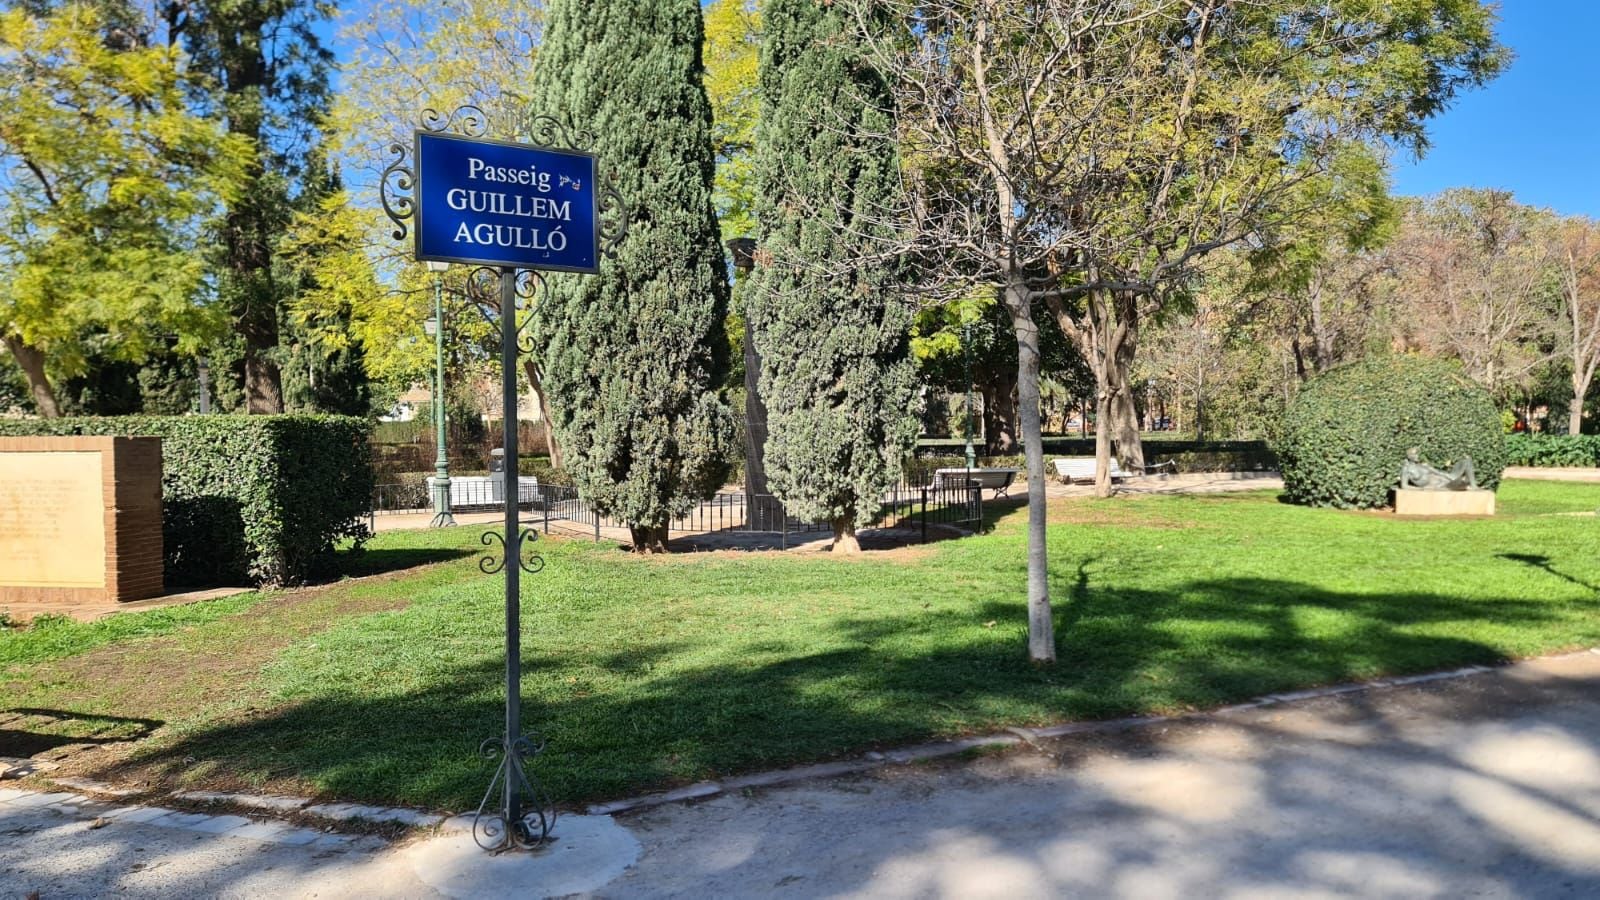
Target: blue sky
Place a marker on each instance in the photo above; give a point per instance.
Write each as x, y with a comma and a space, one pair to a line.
1534, 130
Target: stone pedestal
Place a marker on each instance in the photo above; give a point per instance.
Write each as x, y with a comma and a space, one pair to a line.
80, 521
1409, 502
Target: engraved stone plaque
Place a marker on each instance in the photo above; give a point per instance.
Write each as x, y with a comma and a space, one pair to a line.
80, 521
51, 529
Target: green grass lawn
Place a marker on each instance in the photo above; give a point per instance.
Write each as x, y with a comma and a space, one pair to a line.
644, 673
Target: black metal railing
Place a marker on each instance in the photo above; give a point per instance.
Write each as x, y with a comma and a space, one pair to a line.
945, 500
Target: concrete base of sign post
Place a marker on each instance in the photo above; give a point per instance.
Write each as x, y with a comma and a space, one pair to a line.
585, 853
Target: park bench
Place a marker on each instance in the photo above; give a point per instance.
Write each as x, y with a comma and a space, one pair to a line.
997, 480
1081, 468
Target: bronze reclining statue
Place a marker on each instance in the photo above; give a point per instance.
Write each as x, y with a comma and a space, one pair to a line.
1418, 475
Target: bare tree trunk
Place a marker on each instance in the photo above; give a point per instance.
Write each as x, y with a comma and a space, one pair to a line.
263, 383
844, 535
536, 381
31, 361
1124, 407
755, 417
1041, 629
1125, 428
1092, 343
1321, 340
1102, 437
648, 538
1000, 417
1575, 415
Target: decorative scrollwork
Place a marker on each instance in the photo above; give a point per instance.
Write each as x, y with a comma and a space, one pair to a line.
483, 289
528, 560
553, 134
613, 220
467, 120
531, 562
529, 283
490, 563
534, 816
394, 190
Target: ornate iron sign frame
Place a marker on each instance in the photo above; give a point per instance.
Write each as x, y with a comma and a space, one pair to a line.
514, 813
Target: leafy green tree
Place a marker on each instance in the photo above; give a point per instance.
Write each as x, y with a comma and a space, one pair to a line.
323, 368
971, 338
733, 53
107, 178
404, 56
635, 356
271, 75
1087, 155
1314, 270
836, 370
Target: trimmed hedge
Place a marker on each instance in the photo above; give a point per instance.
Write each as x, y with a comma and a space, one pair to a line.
1188, 456
1348, 431
258, 498
1553, 450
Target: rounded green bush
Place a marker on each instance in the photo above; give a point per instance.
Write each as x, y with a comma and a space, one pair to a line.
1346, 434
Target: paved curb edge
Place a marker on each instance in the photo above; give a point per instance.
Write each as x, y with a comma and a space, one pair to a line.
1023, 735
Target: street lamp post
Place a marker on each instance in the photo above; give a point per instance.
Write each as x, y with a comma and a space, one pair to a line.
441, 463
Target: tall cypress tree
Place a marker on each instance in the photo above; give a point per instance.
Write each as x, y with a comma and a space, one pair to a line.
633, 358
836, 372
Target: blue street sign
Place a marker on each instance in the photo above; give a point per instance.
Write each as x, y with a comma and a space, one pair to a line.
501, 204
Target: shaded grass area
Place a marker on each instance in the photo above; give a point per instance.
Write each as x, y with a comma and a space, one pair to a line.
58, 636
649, 672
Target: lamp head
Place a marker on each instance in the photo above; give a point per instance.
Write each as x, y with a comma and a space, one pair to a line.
435, 265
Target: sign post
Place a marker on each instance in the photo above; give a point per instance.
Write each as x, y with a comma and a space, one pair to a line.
510, 209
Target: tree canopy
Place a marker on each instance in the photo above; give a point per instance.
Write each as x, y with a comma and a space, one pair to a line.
109, 181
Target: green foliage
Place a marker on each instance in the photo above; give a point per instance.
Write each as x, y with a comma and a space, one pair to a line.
539, 467
258, 497
634, 356
110, 177
1186, 456
1346, 434
836, 371
270, 74
1553, 450
732, 53
936, 341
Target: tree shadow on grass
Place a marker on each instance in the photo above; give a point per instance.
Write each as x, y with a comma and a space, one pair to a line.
28, 731
904, 676
1543, 563
369, 561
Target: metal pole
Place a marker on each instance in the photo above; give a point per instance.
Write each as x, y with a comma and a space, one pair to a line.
966, 353
441, 463
513, 548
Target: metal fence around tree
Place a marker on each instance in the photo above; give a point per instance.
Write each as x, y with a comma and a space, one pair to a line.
914, 503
